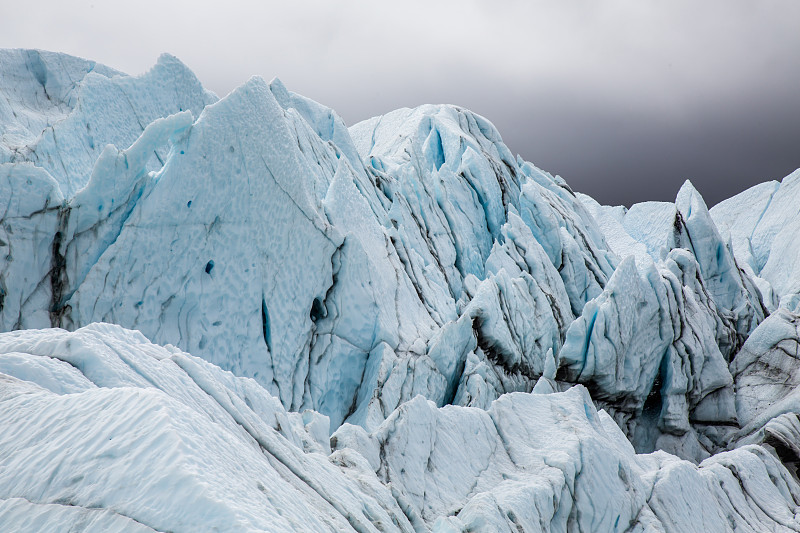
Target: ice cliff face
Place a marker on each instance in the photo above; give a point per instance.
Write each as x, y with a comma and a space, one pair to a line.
394, 327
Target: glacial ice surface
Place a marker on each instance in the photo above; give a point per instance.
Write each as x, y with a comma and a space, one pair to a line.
105, 431
397, 326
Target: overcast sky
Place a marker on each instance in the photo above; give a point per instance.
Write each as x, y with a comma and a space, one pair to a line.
624, 99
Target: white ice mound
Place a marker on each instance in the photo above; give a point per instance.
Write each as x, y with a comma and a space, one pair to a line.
553, 463
106, 431
102, 420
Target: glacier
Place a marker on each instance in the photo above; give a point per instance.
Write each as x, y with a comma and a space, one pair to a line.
393, 326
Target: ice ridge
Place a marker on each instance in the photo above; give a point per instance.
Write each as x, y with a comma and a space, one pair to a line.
397, 326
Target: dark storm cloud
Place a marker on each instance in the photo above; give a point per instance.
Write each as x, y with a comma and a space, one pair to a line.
621, 158
625, 99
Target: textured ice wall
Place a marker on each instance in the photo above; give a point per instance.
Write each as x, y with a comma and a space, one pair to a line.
349, 271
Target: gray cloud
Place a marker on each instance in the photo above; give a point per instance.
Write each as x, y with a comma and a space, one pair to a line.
624, 99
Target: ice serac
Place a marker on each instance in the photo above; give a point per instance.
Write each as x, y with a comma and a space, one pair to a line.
58, 112
772, 350
552, 462
521, 310
763, 223
696, 388
371, 325
325, 122
734, 293
81, 106
687, 224
652, 224
209, 258
708, 307
372, 313
738, 217
94, 217
568, 233
610, 220
767, 375
453, 196
30, 219
39, 89
647, 349
617, 344
500, 253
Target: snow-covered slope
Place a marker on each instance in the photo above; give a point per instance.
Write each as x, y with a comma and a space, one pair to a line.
488, 349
